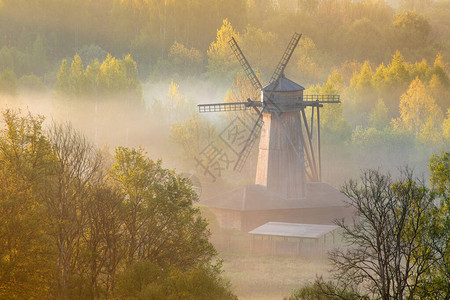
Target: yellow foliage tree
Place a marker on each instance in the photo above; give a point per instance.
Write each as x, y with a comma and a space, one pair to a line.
446, 126
221, 59
419, 113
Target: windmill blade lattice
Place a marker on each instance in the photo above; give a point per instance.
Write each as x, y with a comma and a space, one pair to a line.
279, 70
245, 152
219, 107
245, 65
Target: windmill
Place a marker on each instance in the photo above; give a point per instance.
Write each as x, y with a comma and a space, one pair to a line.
287, 154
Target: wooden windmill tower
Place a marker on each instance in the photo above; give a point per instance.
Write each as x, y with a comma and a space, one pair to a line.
287, 154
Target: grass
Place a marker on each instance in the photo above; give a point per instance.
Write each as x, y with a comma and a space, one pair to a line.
269, 276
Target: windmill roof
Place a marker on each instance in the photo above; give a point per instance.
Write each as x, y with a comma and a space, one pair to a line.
257, 197
284, 85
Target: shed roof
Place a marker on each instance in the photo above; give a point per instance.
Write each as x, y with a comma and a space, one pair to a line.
312, 231
257, 197
284, 85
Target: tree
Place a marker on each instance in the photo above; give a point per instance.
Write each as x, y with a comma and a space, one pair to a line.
62, 85
334, 126
102, 242
162, 225
192, 136
378, 118
77, 165
39, 56
221, 61
186, 62
259, 47
146, 280
439, 229
386, 250
439, 71
411, 31
241, 90
177, 106
167, 252
419, 113
26, 254
323, 290
8, 83
446, 127
366, 40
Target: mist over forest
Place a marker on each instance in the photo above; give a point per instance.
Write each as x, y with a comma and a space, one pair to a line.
112, 67
130, 73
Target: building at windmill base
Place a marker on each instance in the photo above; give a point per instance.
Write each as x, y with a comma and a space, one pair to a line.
251, 206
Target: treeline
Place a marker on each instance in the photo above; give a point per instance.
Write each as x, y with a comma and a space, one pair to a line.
175, 36
80, 223
386, 63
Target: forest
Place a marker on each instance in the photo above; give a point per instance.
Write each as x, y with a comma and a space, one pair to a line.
88, 59
98, 102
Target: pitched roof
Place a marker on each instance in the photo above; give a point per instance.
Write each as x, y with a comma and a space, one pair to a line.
256, 197
284, 85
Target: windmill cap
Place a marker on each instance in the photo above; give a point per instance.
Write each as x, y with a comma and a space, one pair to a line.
284, 85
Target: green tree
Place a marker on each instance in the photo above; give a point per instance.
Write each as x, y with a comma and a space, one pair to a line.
438, 285
259, 48
39, 56
186, 62
191, 136
397, 74
149, 281
77, 78
379, 117
323, 290
367, 41
62, 85
31, 83
8, 83
387, 254
162, 225
411, 30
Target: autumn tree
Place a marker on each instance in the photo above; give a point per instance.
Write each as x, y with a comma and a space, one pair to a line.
419, 113
26, 265
446, 127
333, 125
221, 60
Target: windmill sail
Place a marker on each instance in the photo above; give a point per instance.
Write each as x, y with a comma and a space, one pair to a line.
245, 152
245, 65
279, 70
232, 106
